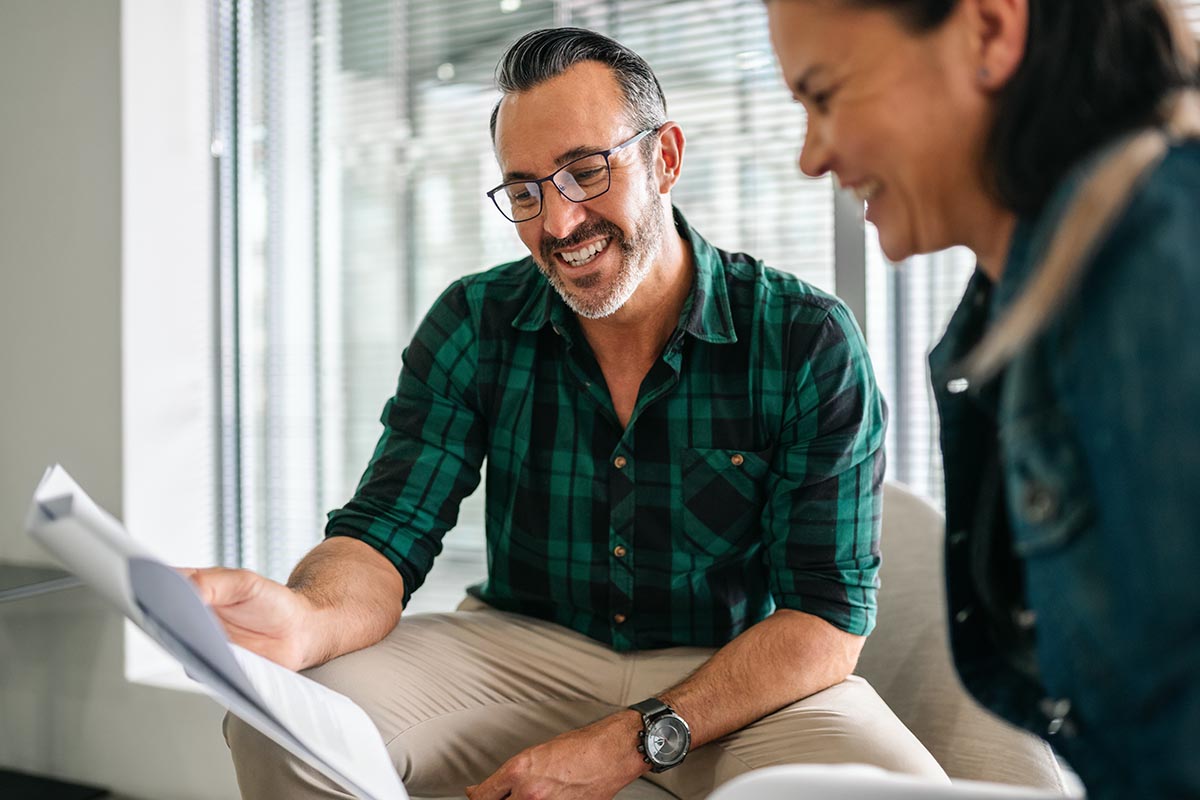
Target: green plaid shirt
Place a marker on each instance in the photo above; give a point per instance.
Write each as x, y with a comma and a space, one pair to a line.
749, 475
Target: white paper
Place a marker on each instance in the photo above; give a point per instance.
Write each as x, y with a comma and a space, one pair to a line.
85, 538
325, 729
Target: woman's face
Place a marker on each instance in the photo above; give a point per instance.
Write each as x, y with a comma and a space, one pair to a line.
899, 117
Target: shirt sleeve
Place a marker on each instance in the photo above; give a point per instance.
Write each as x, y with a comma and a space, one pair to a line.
821, 519
429, 456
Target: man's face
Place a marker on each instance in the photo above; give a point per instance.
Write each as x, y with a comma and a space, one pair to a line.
595, 253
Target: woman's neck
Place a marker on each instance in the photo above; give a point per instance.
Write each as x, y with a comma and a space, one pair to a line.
991, 237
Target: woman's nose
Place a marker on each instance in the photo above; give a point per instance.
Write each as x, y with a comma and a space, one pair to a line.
815, 153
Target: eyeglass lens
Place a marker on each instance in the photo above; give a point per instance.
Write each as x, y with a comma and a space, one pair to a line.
578, 181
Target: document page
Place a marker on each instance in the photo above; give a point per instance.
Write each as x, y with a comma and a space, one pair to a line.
324, 728
85, 538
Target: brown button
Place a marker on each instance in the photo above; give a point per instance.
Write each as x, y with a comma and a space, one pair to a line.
619, 551
737, 460
619, 462
618, 618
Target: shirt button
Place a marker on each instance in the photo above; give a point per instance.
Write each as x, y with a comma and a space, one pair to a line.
619, 551
737, 460
1040, 504
619, 462
1026, 619
1058, 712
618, 618
958, 386
957, 538
962, 615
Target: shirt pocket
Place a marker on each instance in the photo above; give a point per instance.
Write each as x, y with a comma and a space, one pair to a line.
1067, 596
723, 495
1047, 485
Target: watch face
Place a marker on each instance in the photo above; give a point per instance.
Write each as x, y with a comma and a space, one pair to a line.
667, 740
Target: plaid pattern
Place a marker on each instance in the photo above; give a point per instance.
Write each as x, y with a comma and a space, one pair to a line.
749, 476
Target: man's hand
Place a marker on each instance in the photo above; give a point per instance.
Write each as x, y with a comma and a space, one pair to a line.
343, 596
592, 763
258, 614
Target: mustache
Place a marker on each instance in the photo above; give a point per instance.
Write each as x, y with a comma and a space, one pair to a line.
589, 230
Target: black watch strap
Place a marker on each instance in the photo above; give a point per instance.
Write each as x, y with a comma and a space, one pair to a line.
651, 707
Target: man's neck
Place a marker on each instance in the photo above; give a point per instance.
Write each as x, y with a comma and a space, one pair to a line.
640, 329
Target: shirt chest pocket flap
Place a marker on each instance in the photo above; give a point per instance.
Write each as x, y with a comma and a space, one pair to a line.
723, 489
1048, 490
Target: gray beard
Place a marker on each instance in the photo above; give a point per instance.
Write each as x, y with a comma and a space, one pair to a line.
637, 253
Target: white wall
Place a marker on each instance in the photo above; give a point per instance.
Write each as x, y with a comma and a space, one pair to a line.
65, 707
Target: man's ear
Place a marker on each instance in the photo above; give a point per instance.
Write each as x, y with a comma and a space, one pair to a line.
998, 29
670, 155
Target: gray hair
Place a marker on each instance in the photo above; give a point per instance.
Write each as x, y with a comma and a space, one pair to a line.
541, 55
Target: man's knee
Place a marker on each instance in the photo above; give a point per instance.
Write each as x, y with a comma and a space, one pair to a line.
258, 761
250, 749
266, 770
847, 723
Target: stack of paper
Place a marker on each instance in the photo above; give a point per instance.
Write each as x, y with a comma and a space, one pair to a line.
318, 725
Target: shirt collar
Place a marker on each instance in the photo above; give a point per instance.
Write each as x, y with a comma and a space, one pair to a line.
705, 315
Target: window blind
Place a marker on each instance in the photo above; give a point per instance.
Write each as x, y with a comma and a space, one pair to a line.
352, 155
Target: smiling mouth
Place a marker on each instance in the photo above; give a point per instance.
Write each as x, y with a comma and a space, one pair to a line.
861, 191
585, 254
865, 191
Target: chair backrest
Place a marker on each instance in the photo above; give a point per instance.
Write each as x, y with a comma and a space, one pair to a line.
907, 660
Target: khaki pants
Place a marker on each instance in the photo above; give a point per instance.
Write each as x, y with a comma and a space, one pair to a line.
456, 695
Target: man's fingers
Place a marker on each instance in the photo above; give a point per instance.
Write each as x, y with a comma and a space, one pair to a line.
219, 586
496, 787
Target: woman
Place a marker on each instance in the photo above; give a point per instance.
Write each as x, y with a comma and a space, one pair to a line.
1056, 139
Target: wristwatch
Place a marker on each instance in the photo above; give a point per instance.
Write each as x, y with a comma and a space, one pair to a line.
665, 738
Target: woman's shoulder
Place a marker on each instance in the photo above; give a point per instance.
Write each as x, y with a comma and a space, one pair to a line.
1174, 185
1160, 226
1141, 289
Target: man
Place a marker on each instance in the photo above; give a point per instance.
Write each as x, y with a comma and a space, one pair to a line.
684, 472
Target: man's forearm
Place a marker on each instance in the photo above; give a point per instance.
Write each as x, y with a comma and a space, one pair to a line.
355, 594
786, 657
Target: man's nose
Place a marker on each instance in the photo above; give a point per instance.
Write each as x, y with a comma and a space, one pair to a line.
559, 215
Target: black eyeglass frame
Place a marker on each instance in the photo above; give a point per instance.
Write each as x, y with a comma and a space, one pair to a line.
550, 178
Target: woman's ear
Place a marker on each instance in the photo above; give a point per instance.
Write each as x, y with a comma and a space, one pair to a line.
670, 159
999, 30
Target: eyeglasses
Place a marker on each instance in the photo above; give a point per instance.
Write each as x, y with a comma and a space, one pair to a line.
585, 178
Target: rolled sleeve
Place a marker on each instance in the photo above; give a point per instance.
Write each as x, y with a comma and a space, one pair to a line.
821, 520
429, 456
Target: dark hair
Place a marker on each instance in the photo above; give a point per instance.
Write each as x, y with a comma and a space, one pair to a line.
541, 55
1093, 69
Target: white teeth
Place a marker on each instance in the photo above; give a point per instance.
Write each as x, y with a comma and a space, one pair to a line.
862, 192
583, 255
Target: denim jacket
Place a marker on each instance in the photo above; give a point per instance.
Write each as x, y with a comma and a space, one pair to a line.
1073, 497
